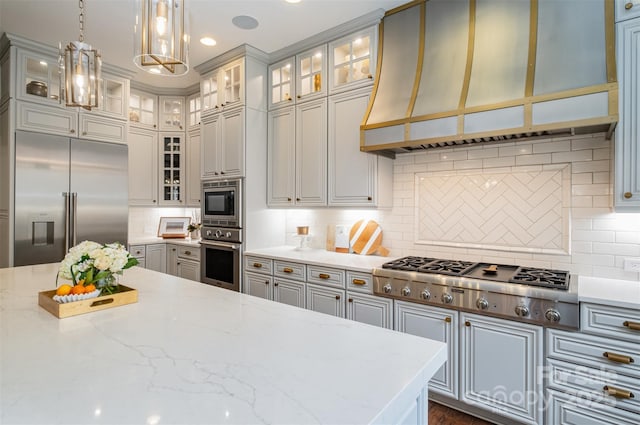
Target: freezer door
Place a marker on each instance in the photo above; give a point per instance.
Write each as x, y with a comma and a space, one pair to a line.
42, 182
99, 191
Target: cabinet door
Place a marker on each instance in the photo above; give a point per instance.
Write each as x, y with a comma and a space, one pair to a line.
143, 167
193, 168
627, 153
231, 143
281, 83
565, 409
499, 365
103, 129
188, 269
352, 61
194, 109
209, 90
325, 300
281, 157
258, 285
172, 260
172, 169
288, 292
311, 153
114, 98
233, 77
311, 72
369, 309
156, 257
209, 146
38, 79
352, 173
437, 324
46, 119
171, 113
143, 110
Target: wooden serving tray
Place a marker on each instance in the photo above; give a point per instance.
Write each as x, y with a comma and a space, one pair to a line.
125, 295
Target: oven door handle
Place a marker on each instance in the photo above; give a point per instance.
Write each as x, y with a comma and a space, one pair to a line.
231, 246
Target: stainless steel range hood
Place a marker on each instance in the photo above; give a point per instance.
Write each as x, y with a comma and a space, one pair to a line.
455, 72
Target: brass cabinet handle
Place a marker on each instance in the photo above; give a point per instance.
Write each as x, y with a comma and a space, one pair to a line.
337, 297
187, 252
618, 358
257, 265
287, 270
359, 282
617, 392
634, 326
628, 195
628, 6
324, 276
448, 320
467, 323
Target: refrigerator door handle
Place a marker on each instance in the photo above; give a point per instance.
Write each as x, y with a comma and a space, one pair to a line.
67, 220
74, 216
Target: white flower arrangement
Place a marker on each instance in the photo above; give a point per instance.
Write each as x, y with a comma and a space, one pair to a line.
93, 263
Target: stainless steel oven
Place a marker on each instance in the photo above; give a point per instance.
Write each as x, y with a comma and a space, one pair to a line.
221, 257
222, 203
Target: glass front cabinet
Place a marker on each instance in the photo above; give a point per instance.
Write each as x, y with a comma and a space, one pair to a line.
38, 78
143, 109
172, 152
223, 87
352, 60
281, 88
311, 74
171, 113
194, 109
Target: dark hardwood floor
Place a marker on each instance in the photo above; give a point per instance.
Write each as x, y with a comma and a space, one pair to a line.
443, 415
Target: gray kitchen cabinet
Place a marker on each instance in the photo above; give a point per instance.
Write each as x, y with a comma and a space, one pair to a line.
143, 110
352, 61
46, 119
194, 111
281, 159
311, 74
193, 173
499, 367
325, 300
172, 259
627, 144
223, 144
143, 167
171, 169
282, 83
223, 87
438, 324
258, 285
370, 309
188, 269
183, 261
156, 257
139, 253
289, 292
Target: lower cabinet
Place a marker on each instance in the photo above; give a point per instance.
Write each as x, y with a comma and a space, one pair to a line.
258, 285
289, 292
325, 300
189, 269
565, 409
183, 261
156, 257
370, 309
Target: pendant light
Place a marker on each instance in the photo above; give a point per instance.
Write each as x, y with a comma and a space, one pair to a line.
161, 39
80, 67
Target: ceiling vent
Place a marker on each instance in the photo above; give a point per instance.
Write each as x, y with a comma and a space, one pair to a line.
470, 71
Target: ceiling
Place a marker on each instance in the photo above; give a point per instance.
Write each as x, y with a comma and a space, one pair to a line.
109, 26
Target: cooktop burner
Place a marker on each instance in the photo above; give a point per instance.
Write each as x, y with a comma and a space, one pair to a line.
450, 267
407, 263
557, 279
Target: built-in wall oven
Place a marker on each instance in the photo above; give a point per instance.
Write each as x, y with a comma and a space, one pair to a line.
221, 244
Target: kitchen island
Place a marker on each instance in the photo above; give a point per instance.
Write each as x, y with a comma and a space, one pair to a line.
191, 353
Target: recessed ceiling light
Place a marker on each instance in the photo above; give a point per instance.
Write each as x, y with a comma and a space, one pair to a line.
154, 70
245, 22
292, 1
208, 41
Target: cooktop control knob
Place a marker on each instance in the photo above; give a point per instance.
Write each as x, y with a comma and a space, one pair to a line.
447, 298
482, 304
552, 315
218, 233
522, 310
406, 291
208, 233
227, 235
425, 294
386, 288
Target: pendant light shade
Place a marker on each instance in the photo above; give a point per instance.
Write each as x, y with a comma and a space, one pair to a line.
80, 67
161, 38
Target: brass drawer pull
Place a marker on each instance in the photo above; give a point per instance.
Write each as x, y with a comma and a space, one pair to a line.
618, 358
257, 265
324, 276
287, 270
187, 252
617, 392
359, 282
634, 326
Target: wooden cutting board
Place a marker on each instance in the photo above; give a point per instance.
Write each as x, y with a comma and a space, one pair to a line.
365, 237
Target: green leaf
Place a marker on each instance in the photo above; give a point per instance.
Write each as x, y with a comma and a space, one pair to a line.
88, 278
130, 263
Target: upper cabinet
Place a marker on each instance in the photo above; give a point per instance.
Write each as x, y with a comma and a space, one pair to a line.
352, 60
143, 109
194, 110
172, 168
311, 72
223, 87
114, 96
627, 150
171, 113
281, 84
38, 78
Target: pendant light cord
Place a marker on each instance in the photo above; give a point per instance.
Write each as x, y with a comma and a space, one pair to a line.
81, 19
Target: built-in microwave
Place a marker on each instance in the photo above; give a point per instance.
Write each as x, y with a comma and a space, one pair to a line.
222, 203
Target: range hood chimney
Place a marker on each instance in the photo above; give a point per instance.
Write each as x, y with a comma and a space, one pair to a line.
454, 72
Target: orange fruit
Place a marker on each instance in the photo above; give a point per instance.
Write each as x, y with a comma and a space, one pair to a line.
77, 289
90, 288
63, 290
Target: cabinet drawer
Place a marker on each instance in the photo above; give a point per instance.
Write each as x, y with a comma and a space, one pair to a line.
295, 271
611, 389
258, 264
103, 129
361, 282
137, 251
564, 409
47, 119
627, 9
325, 276
192, 253
602, 353
612, 322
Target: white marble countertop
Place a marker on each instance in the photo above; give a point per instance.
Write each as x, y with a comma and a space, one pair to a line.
321, 257
618, 293
143, 240
192, 353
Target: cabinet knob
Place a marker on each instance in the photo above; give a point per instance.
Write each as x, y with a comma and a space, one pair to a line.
72, 131
370, 76
299, 97
257, 265
187, 252
617, 392
467, 323
448, 320
178, 264
154, 201
628, 5
350, 300
173, 249
84, 133
275, 284
298, 199
288, 199
289, 99
180, 127
154, 126
369, 198
215, 173
337, 297
628, 195
266, 282
221, 172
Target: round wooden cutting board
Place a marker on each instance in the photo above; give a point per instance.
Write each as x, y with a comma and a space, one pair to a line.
365, 237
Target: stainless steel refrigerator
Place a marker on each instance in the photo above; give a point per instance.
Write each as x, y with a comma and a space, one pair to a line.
67, 191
